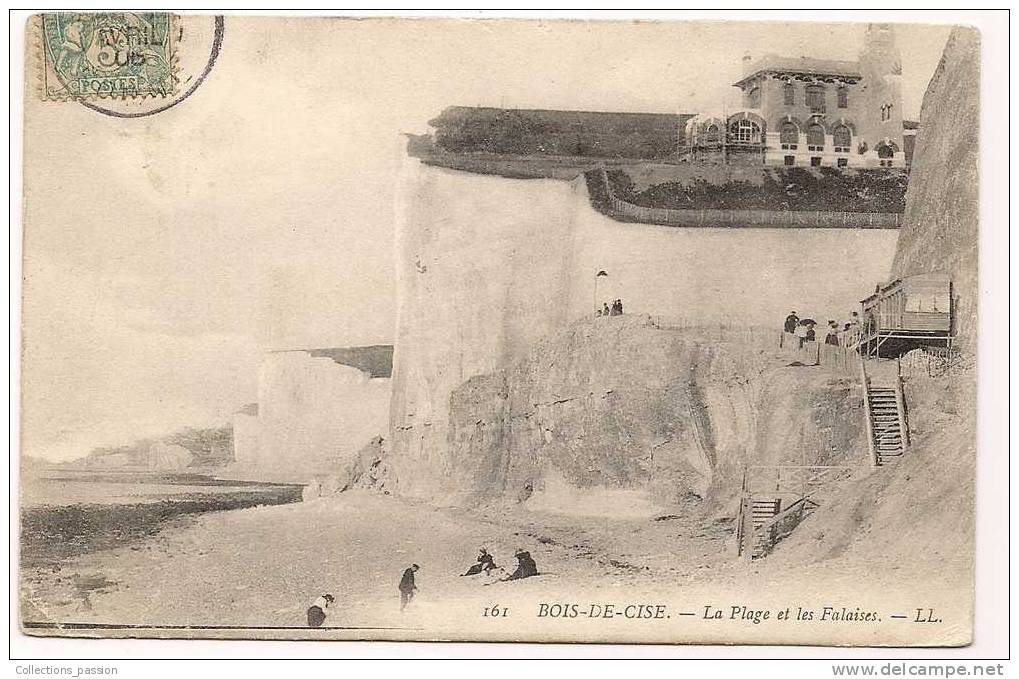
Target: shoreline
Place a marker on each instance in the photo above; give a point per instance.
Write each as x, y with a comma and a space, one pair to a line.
252, 573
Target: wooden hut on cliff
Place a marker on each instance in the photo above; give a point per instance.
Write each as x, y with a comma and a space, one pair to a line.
908, 313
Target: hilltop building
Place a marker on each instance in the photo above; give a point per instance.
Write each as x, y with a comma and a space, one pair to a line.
813, 112
795, 111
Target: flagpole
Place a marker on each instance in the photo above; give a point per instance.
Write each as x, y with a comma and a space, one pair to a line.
599, 274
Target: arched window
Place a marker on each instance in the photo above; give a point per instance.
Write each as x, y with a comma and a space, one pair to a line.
745, 132
815, 98
789, 92
711, 134
754, 98
789, 133
815, 136
842, 138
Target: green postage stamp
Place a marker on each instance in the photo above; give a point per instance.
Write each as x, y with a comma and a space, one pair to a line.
87, 55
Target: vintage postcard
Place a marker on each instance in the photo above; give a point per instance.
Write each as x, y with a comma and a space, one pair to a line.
499, 330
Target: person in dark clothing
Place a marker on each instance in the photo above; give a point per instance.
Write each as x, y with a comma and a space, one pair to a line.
485, 563
832, 337
317, 613
525, 566
407, 586
791, 321
811, 335
605, 311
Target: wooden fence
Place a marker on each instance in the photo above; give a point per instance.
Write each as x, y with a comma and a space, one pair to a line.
803, 219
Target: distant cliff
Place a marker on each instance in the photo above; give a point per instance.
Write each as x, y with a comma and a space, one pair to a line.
940, 230
189, 447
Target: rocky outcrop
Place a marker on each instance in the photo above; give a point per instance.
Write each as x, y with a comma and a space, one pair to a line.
616, 408
940, 231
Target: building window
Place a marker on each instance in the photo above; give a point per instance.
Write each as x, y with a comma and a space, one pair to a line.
815, 161
815, 138
789, 92
789, 134
790, 160
754, 98
815, 98
842, 138
745, 132
843, 96
842, 162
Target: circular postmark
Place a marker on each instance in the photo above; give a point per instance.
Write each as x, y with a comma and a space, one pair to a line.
127, 64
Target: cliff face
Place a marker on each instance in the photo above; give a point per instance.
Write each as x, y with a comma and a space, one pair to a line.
939, 233
479, 281
488, 266
313, 414
613, 414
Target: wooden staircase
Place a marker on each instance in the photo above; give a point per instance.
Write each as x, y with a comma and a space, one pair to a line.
886, 424
887, 428
759, 512
773, 501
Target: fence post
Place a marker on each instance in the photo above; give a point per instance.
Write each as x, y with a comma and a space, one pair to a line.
900, 403
871, 450
749, 538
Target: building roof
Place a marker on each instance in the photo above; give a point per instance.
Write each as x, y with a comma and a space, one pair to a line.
770, 63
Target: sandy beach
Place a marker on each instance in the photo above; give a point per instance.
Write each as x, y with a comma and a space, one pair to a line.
261, 567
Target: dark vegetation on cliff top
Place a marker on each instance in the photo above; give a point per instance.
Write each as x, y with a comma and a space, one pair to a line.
825, 189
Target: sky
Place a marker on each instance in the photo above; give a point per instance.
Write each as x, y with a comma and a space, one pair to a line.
163, 255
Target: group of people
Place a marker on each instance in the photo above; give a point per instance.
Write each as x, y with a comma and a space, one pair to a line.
804, 329
526, 567
615, 310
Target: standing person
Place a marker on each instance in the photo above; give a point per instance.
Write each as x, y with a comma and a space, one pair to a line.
833, 334
317, 610
407, 586
801, 333
619, 305
811, 335
791, 321
605, 311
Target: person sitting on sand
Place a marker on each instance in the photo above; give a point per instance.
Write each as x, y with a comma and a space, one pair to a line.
485, 564
525, 566
317, 611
